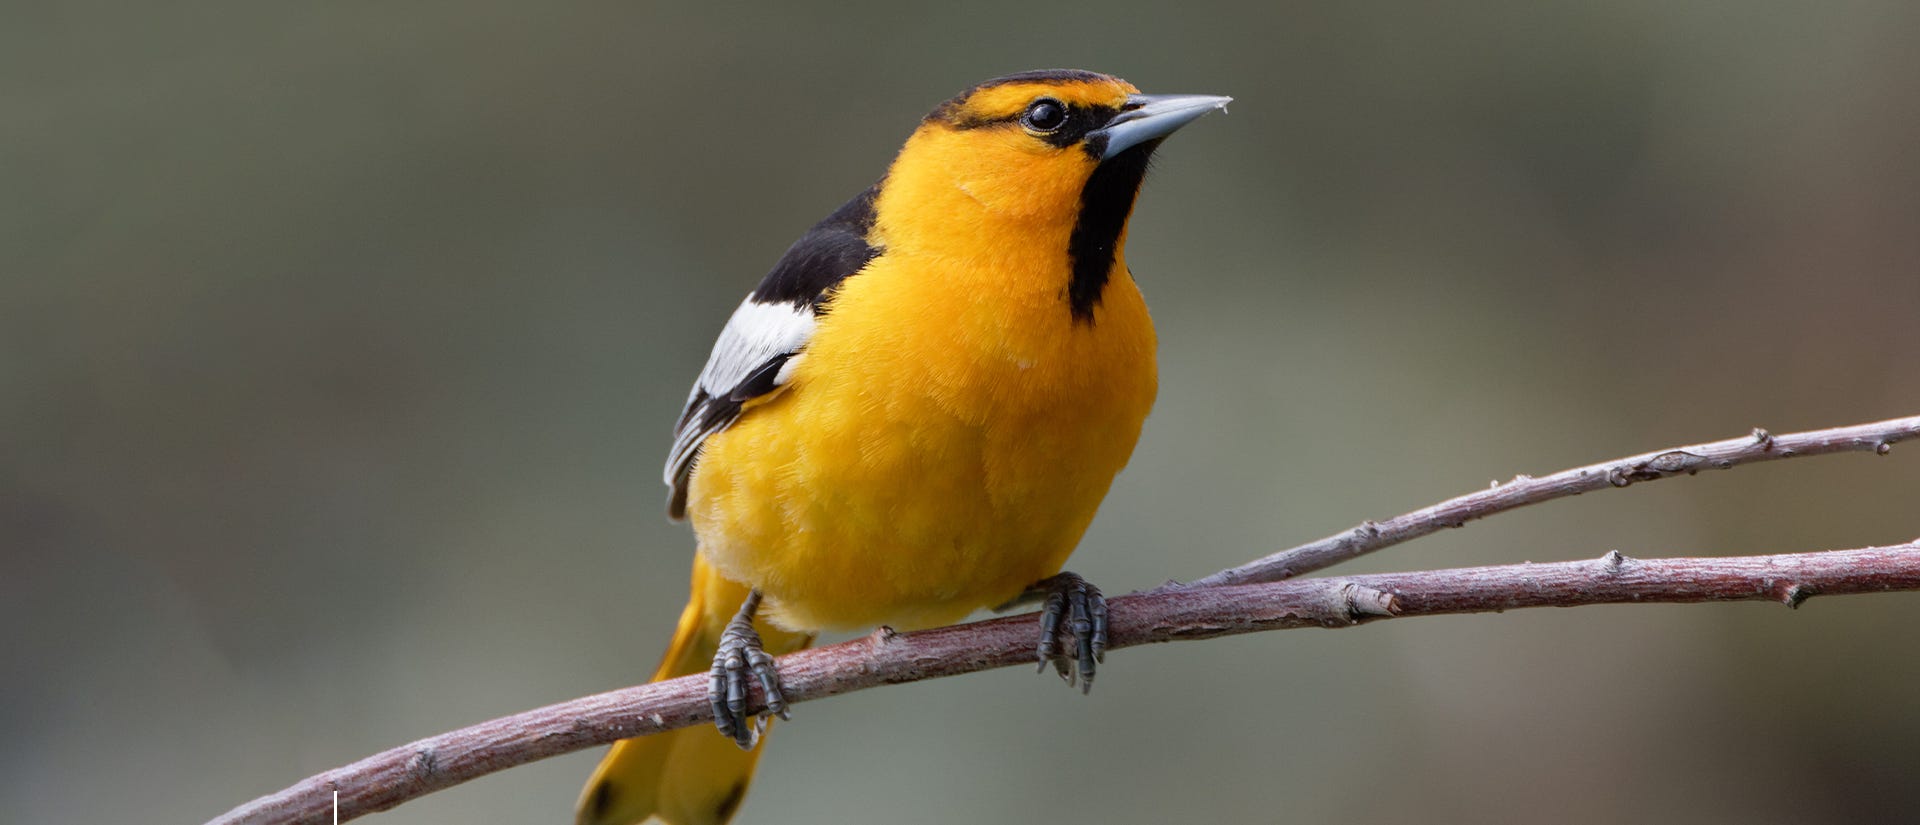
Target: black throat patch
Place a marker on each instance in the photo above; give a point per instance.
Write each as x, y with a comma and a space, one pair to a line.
1105, 204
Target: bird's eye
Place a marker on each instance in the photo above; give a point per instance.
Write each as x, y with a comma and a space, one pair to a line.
1045, 115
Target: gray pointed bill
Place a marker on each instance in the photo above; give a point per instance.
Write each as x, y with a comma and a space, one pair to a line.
1148, 117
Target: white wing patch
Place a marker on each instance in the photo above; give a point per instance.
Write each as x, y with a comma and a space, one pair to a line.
753, 357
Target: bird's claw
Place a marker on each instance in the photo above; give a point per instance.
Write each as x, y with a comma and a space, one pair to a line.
1073, 628
741, 659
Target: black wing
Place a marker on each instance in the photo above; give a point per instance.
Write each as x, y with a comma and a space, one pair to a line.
763, 341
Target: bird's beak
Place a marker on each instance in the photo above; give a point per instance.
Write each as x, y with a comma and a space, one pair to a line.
1149, 117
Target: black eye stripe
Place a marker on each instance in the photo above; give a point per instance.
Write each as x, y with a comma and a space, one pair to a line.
1080, 119
1078, 122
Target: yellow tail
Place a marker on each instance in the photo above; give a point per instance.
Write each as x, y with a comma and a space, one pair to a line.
691, 776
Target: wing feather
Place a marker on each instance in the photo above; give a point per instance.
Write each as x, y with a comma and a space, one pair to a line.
747, 362
757, 350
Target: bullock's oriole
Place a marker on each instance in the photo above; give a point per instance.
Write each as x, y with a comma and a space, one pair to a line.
914, 415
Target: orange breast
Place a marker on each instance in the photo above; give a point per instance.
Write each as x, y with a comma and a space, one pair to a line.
945, 441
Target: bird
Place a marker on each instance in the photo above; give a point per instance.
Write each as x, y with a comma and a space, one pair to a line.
913, 416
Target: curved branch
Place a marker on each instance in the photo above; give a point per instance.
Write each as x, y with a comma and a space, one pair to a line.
1877, 437
387, 779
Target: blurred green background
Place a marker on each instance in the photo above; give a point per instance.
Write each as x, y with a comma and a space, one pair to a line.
339, 345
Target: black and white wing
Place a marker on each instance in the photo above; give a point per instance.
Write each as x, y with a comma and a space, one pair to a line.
754, 357
767, 335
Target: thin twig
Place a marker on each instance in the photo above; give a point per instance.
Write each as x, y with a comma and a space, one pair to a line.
387, 779
1877, 437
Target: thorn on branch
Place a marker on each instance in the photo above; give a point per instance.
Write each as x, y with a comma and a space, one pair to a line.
1764, 438
1793, 596
1672, 462
424, 765
1355, 602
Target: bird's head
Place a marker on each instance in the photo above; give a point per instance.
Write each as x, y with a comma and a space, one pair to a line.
1026, 146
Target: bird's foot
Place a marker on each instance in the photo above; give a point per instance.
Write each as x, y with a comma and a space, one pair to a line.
1073, 628
741, 658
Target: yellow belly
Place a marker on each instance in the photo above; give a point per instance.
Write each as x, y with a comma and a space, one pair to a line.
936, 451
